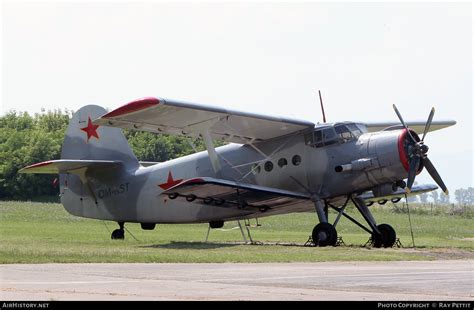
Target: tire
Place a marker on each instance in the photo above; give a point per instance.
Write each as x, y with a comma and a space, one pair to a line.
148, 226
386, 239
216, 224
118, 234
324, 234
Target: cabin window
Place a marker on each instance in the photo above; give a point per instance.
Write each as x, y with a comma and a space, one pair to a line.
268, 166
282, 162
296, 160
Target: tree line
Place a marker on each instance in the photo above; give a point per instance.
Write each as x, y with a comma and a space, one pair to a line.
27, 139
462, 196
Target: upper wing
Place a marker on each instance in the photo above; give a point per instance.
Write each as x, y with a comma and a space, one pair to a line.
68, 166
180, 118
400, 193
417, 126
226, 193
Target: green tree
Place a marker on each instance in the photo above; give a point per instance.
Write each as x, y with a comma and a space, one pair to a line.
424, 198
26, 139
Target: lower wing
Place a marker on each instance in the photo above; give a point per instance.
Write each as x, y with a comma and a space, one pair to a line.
230, 194
369, 197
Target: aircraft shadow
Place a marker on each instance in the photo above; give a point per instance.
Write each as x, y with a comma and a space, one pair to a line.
190, 245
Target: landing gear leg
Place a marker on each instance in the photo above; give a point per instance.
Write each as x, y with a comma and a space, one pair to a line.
119, 234
383, 235
324, 234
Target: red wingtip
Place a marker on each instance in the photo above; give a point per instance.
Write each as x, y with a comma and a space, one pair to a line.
133, 106
44, 163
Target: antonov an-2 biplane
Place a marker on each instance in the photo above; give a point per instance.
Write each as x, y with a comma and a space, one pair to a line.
272, 165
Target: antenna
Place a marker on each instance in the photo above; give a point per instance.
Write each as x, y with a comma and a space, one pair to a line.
322, 106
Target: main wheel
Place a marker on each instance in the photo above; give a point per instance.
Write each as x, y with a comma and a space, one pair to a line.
324, 234
118, 234
216, 224
386, 239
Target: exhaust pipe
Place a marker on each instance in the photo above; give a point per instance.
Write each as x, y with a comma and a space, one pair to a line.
356, 165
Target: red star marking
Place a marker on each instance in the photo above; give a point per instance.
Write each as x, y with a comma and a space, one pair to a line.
170, 182
91, 130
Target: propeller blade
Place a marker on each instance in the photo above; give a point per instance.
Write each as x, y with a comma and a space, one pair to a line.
414, 164
428, 123
434, 174
403, 122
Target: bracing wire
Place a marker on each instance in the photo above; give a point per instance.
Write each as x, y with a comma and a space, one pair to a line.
409, 220
130, 233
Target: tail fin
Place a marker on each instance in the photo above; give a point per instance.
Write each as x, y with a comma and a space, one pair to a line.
87, 141
89, 150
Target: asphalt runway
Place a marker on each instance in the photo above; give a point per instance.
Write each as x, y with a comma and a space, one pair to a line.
414, 280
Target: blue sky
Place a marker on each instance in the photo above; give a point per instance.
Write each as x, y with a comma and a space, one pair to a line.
261, 57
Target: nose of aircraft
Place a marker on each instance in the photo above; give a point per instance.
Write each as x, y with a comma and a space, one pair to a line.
413, 153
406, 147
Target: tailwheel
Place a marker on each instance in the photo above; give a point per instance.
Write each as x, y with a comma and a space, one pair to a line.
324, 234
118, 234
386, 238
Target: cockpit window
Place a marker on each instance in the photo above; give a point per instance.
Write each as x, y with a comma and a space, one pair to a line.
322, 137
318, 138
354, 130
344, 133
348, 132
329, 136
340, 133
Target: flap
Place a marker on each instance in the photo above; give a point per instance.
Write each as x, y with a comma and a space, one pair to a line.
189, 119
68, 166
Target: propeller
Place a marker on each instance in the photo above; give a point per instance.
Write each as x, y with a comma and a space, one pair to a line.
417, 155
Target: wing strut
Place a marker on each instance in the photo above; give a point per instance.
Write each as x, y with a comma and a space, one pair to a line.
211, 150
203, 129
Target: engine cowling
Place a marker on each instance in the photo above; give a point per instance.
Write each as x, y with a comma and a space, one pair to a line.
390, 150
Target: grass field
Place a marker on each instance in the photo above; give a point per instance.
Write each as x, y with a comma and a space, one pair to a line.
45, 233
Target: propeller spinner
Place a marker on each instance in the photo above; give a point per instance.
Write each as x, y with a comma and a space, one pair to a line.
417, 154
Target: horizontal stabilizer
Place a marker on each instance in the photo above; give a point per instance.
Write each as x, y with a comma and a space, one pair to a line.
68, 166
148, 163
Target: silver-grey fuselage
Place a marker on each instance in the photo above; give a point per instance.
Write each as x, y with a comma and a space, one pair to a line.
312, 161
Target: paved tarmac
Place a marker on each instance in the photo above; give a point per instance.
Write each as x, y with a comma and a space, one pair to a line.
414, 280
